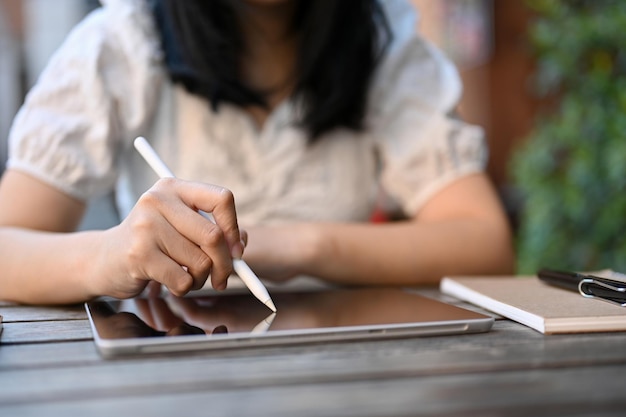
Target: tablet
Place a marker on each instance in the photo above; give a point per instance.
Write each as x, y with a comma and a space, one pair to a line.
219, 321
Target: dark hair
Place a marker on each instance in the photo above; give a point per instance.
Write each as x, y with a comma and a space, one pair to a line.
341, 42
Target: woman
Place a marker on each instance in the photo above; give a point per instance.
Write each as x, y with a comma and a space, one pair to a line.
307, 110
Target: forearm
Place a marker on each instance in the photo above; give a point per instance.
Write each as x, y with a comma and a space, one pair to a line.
47, 268
162, 233
409, 253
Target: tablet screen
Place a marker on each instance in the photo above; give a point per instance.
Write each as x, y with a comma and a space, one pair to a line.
223, 317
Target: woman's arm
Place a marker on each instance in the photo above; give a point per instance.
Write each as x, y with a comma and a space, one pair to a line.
41, 263
462, 230
39, 266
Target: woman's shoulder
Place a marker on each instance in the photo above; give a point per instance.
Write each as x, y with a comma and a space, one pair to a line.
413, 66
111, 62
402, 17
122, 26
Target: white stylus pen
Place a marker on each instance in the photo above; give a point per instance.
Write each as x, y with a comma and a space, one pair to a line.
242, 269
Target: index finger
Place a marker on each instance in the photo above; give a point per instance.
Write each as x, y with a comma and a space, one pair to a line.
218, 204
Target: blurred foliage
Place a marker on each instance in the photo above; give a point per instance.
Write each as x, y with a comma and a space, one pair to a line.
571, 171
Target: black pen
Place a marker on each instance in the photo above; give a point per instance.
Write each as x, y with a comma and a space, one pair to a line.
590, 286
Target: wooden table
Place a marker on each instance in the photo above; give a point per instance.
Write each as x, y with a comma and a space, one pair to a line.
49, 366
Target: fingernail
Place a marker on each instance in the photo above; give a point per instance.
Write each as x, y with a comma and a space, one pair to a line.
237, 250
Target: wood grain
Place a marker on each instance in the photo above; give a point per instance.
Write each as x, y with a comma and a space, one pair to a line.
49, 366
19, 313
45, 331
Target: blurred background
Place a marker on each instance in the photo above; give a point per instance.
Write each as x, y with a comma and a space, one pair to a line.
546, 79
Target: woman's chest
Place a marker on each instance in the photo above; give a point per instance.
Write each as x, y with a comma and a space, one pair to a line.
274, 173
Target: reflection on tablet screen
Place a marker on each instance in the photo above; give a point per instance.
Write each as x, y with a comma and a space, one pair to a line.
242, 313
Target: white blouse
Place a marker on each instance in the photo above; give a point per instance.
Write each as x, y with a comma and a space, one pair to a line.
107, 84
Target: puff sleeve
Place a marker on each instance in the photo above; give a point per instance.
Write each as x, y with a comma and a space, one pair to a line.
97, 91
421, 147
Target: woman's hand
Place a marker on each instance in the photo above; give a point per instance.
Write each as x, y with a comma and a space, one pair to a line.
281, 252
165, 239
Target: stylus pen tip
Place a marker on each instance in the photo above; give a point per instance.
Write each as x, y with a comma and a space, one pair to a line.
270, 304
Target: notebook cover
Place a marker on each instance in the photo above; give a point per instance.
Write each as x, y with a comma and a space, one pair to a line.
533, 303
